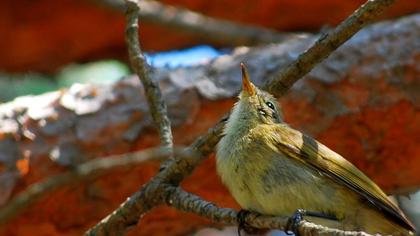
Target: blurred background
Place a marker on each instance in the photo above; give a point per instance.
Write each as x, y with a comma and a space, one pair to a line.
48, 46
44, 42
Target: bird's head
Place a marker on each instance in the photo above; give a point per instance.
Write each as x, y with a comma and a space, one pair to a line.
255, 106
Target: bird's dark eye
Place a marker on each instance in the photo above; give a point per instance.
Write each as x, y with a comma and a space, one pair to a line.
270, 105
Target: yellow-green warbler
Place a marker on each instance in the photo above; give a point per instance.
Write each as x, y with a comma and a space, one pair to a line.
271, 168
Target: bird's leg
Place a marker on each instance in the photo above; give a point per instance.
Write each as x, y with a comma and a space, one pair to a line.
294, 221
242, 225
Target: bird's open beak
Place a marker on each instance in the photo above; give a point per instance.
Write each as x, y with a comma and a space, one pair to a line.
247, 86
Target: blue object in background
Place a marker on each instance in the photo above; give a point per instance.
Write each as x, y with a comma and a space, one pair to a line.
186, 57
98, 72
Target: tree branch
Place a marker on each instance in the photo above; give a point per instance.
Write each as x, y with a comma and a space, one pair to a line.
228, 32
284, 78
189, 202
88, 170
131, 210
152, 194
157, 106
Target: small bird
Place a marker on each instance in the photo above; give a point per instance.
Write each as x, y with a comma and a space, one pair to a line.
273, 169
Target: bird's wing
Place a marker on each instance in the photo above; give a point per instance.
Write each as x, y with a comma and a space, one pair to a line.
309, 151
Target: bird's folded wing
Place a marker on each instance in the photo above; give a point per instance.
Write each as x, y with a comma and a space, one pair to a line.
309, 151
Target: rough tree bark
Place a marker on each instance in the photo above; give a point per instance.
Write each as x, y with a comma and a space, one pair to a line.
362, 102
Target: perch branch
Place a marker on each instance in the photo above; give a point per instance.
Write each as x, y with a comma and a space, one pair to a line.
157, 106
188, 21
88, 170
184, 201
152, 193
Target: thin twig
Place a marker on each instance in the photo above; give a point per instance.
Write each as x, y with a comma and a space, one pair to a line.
284, 78
183, 20
130, 211
88, 170
157, 106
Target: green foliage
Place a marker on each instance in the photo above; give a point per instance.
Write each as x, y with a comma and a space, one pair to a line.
12, 86
102, 72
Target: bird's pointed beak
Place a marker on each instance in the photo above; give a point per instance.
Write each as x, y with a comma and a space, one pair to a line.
247, 86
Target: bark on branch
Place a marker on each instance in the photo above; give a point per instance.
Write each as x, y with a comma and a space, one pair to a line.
188, 202
157, 106
284, 78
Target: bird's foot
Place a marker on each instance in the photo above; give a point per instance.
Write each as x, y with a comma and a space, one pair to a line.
242, 225
294, 221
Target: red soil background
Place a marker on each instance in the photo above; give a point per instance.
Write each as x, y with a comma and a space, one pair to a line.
44, 35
